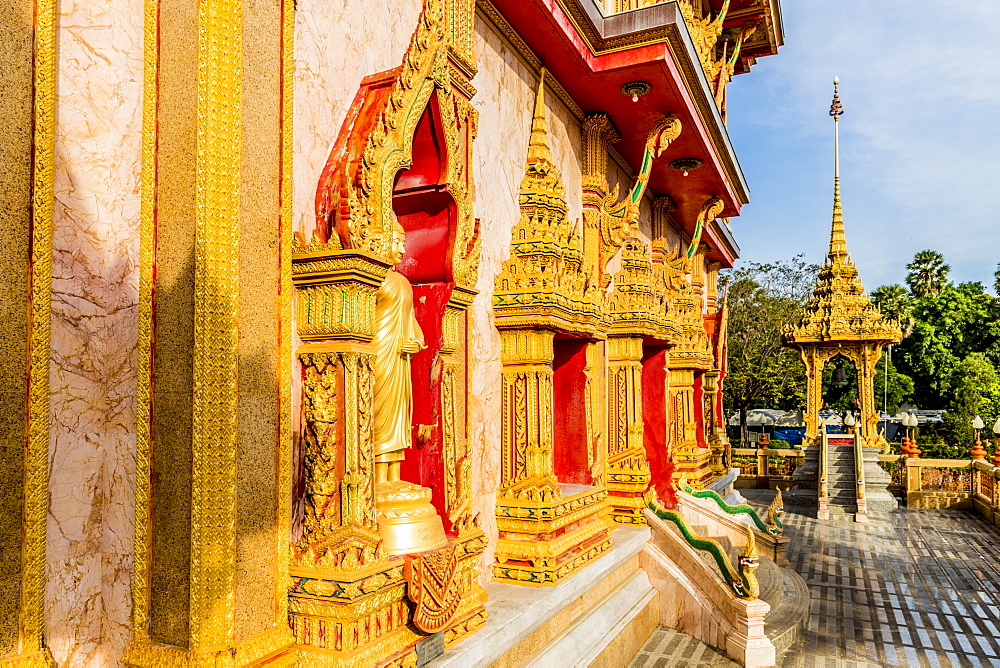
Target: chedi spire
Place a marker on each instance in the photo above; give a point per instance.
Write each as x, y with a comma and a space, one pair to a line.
838, 244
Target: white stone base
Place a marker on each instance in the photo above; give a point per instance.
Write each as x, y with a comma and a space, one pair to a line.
725, 486
581, 643
516, 611
695, 600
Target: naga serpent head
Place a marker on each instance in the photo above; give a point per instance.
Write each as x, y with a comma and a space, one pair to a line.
663, 133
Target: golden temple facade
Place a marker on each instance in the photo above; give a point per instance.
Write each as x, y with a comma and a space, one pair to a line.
331, 323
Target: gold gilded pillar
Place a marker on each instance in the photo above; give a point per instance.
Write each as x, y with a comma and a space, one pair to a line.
547, 530
213, 406
689, 460
527, 467
627, 469
715, 434
27, 103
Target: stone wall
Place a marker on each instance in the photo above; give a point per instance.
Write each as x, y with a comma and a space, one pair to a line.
337, 44
94, 329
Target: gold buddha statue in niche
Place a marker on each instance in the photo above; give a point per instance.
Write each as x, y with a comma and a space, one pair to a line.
407, 520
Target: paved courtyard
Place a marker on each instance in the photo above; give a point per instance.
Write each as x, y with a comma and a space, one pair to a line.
915, 588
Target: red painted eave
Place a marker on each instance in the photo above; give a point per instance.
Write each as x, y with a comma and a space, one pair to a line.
594, 81
663, 56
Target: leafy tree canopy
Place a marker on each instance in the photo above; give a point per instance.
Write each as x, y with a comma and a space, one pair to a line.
927, 274
762, 299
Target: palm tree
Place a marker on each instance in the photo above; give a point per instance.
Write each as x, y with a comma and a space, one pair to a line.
896, 304
927, 274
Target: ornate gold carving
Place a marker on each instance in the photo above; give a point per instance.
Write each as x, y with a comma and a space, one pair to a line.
341, 311
284, 468
32, 650
216, 340
747, 563
544, 277
526, 472
705, 32
433, 587
347, 602
321, 446
365, 222
627, 469
839, 309
140, 569
617, 219
725, 66
330, 504
840, 319
599, 133
344, 618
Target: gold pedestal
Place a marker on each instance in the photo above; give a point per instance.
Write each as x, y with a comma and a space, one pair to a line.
407, 521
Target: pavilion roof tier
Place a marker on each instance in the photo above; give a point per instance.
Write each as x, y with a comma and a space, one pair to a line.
593, 53
840, 311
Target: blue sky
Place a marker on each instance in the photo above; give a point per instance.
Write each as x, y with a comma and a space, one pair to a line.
920, 136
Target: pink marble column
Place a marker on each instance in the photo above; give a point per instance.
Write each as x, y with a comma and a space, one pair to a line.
94, 328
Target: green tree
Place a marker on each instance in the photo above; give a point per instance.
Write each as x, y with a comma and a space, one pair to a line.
927, 274
974, 385
896, 304
762, 298
948, 327
996, 280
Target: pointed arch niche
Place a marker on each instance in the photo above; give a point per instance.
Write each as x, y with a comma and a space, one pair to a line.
428, 213
401, 160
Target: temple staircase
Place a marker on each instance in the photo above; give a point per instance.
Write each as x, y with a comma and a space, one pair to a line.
835, 459
698, 598
841, 483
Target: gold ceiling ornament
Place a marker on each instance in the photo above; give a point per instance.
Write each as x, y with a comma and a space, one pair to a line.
685, 165
636, 89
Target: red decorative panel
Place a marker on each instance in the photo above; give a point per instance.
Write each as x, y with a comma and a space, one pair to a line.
569, 416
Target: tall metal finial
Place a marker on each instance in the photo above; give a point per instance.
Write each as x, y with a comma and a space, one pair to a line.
838, 244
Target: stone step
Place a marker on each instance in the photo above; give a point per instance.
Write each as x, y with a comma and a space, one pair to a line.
593, 632
789, 597
523, 620
669, 647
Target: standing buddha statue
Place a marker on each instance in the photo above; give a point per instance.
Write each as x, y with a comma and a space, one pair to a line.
407, 520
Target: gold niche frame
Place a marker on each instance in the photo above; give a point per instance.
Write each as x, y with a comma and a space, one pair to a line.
350, 603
